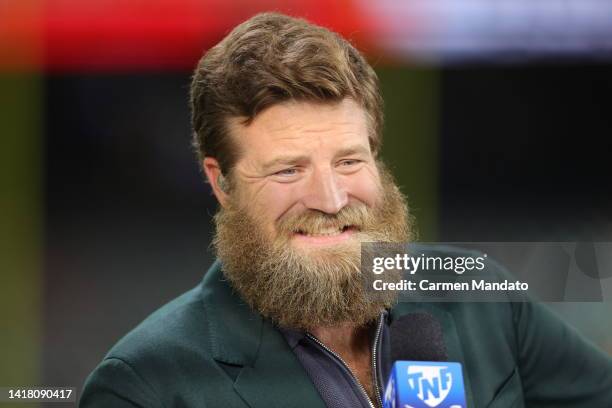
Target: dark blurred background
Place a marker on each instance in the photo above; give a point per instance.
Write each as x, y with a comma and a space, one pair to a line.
497, 129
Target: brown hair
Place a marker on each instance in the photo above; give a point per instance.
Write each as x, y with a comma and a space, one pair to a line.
269, 59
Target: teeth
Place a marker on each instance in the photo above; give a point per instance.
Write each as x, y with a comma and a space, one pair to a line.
325, 233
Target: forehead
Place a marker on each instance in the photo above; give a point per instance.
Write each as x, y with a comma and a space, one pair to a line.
301, 126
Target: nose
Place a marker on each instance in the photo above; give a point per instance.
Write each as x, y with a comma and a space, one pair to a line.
325, 192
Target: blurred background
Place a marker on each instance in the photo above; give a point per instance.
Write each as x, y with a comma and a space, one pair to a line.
498, 125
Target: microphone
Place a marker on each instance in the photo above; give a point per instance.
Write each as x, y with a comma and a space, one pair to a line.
421, 376
417, 336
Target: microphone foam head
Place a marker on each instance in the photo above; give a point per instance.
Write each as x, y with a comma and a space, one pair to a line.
417, 337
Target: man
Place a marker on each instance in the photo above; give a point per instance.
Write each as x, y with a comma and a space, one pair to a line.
287, 119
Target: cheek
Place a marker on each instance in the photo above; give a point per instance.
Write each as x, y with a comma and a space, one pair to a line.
364, 187
272, 202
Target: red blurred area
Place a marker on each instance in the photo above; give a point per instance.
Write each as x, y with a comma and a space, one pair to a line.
103, 35
21, 24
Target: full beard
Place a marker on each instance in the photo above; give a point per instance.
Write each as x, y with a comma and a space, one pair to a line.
303, 288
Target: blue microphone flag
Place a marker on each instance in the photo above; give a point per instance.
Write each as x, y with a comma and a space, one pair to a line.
425, 384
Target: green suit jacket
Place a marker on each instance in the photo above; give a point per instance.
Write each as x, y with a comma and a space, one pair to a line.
207, 348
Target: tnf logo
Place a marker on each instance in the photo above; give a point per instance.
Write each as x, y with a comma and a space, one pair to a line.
430, 383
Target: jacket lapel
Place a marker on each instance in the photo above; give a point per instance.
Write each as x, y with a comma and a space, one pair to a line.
277, 378
271, 375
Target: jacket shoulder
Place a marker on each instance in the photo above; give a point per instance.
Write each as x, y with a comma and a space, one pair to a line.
176, 327
156, 359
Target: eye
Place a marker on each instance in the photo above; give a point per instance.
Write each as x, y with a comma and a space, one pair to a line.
287, 172
349, 162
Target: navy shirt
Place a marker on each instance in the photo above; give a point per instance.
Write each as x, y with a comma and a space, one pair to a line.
333, 380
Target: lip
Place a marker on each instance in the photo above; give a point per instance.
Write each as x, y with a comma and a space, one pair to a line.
324, 240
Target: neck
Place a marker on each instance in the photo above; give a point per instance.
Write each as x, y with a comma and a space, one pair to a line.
345, 338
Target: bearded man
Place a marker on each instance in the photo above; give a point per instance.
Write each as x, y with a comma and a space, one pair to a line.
287, 118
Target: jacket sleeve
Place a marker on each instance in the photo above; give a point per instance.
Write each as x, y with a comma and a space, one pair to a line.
114, 383
558, 367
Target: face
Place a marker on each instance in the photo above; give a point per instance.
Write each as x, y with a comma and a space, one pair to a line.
305, 193
301, 156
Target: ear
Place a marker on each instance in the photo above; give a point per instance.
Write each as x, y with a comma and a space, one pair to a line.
214, 176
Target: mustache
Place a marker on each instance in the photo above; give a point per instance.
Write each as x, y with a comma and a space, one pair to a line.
314, 222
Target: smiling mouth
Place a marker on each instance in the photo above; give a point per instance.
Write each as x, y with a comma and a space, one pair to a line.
325, 232
326, 235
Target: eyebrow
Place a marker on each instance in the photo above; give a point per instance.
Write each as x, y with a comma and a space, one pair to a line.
356, 149
295, 159
286, 160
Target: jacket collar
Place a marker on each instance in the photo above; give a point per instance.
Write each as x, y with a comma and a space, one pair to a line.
271, 374
235, 329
